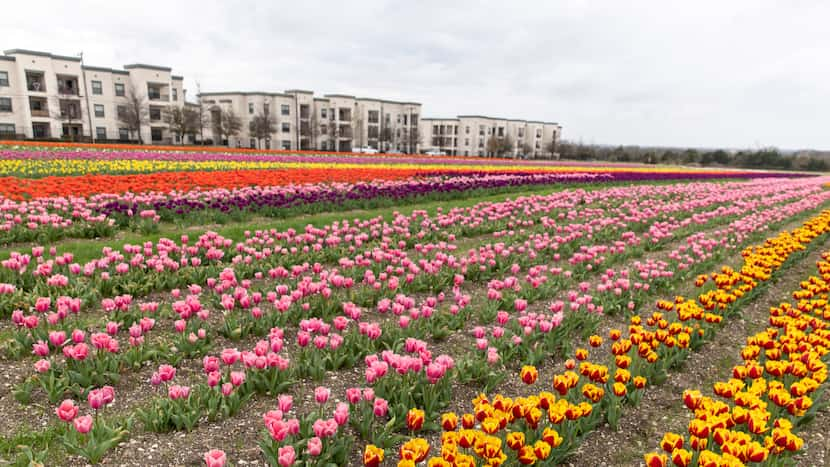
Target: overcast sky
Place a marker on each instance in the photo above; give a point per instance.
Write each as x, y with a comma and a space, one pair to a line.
703, 73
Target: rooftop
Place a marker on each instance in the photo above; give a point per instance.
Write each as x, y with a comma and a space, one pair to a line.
41, 54
147, 67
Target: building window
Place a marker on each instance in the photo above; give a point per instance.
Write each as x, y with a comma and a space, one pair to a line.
481, 130
156, 134
100, 132
123, 134
175, 94
323, 113
4, 79
250, 108
286, 127
466, 141
374, 116
266, 108
40, 130
35, 81
285, 109
267, 143
286, 144
7, 129
99, 110
121, 111
253, 143
538, 146
38, 107
5, 104
467, 129
538, 133
501, 132
155, 114
119, 89
399, 118
97, 89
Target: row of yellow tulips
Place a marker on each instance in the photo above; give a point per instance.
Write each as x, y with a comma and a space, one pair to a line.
545, 427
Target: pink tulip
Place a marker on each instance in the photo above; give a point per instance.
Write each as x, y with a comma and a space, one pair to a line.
314, 446
215, 458
166, 372
42, 366
67, 411
83, 424
284, 402
321, 394
380, 407
237, 378
286, 456
95, 399
353, 395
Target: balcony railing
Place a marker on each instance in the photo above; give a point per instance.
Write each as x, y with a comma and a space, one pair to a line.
159, 97
69, 91
35, 86
40, 113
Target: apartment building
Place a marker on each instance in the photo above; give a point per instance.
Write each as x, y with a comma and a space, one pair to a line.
468, 135
47, 96
334, 122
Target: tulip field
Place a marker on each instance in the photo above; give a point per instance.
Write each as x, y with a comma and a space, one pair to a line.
205, 306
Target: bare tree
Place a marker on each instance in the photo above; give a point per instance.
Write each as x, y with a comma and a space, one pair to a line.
262, 126
358, 129
135, 113
183, 121
410, 139
552, 147
386, 137
499, 146
527, 149
225, 123
314, 130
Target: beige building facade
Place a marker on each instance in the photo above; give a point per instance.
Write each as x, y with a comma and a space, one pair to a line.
47, 96
468, 135
333, 122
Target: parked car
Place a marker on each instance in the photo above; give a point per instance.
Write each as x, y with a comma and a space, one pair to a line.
365, 150
435, 152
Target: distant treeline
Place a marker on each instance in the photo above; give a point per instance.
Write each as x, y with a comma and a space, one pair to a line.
768, 158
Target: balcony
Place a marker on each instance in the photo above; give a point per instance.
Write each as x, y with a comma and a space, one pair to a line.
39, 107
70, 109
155, 114
68, 85
345, 132
156, 92
35, 81
344, 114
